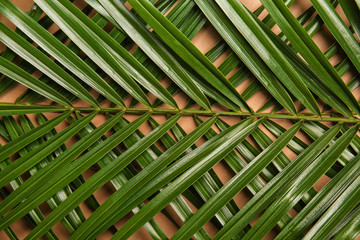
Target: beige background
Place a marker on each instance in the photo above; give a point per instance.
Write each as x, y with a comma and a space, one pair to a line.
205, 40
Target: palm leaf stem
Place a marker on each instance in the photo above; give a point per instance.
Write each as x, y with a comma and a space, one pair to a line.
326, 117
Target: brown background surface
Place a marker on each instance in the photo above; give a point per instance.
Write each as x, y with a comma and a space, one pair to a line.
205, 40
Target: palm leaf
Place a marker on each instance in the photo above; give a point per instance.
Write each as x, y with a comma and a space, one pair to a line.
87, 93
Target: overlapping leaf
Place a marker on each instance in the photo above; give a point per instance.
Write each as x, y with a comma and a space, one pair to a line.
117, 59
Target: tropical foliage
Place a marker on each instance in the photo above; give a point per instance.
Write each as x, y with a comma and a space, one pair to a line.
135, 68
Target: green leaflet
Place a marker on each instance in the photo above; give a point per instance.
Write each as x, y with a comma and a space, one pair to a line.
29, 160
325, 197
300, 185
351, 229
54, 47
63, 160
262, 44
31, 54
13, 146
15, 131
7, 83
121, 178
19, 75
59, 181
140, 179
311, 53
309, 77
271, 190
186, 50
183, 209
235, 185
339, 30
245, 52
337, 212
75, 218
121, 66
208, 185
204, 161
236, 163
154, 49
352, 13
154, 185
3, 132
103, 176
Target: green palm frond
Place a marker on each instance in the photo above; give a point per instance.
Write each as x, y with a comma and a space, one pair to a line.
112, 70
